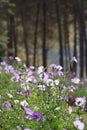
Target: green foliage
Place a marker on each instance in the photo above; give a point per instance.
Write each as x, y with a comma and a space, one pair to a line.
49, 102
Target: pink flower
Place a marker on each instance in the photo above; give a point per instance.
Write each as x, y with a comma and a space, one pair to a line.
70, 109
53, 66
80, 101
78, 124
27, 93
75, 80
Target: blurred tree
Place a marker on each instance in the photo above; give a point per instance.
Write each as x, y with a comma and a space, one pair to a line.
35, 27
35, 33
57, 2
66, 34
74, 9
44, 49
81, 35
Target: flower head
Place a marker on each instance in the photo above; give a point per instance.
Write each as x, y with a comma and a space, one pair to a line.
70, 109
18, 59
24, 103
53, 66
27, 93
36, 116
74, 59
42, 87
18, 92
11, 57
59, 67
78, 124
60, 73
80, 101
40, 69
71, 99
75, 80
28, 113
7, 105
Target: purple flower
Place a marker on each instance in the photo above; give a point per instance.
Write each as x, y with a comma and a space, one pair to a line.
44, 76
32, 79
50, 74
60, 73
53, 66
27, 93
28, 113
71, 99
0, 68
9, 69
11, 57
30, 72
4, 62
85, 80
36, 116
19, 92
7, 105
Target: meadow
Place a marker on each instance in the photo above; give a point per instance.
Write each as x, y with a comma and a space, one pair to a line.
34, 99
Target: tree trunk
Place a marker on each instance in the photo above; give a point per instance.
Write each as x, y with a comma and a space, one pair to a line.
84, 39
35, 33
66, 38
44, 49
25, 38
60, 32
15, 38
10, 35
81, 38
74, 67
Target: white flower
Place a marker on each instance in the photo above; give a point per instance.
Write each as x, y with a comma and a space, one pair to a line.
44, 76
40, 69
56, 81
74, 59
75, 80
42, 87
78, 124
18, 59
50, 82
24, 103
16, 101
59, 67
70, 109
80, 101
32, 67
10, 95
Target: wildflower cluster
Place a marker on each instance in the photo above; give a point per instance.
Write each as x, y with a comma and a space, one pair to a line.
34, 99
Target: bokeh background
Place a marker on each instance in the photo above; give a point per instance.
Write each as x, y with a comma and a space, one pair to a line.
42, 32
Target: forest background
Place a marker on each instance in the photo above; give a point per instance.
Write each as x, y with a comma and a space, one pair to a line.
42, 32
